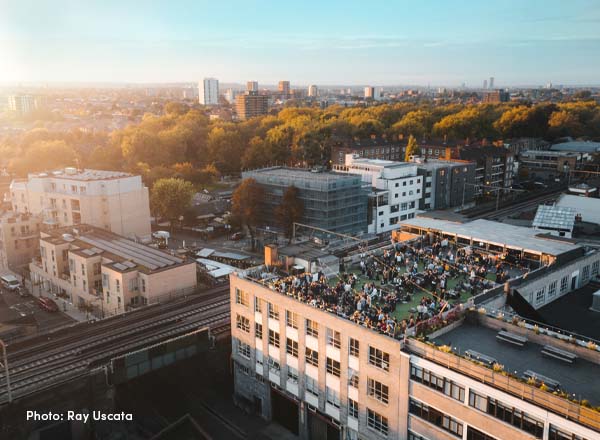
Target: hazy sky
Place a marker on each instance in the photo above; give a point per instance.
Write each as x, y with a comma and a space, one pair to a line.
322, 42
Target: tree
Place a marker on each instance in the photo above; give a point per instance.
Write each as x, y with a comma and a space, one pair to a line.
412, 148
290, 210
171, 197
44, 155
246, 205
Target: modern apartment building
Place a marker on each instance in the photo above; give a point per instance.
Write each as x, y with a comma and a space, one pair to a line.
394, 190
208, 91
111, 200
447, 183
106, 272
19, 239
251, 104
495, 166
332, 201
22, 104
324, 377
313, 91
252, 86
496, 96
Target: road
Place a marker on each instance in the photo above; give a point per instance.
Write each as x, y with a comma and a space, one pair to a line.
45, 360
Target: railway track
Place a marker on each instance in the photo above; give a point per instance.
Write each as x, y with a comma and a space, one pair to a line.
515, 208
70, 355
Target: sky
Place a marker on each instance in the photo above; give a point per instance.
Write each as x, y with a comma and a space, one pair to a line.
375, 42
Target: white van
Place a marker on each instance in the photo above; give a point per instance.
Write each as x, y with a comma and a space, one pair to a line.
10, 282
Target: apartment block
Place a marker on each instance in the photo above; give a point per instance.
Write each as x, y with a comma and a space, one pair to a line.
447, 183
251, 104
106, 272
111, 200
19, 238
394, 188
322, 376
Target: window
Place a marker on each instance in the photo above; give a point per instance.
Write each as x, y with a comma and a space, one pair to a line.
332, 397
413, 436
354, 348
353, 378
291, 319
244, 349
334, 338
552, 289
441, 384
97, 268
475, 434
292, 374
379, 358
312, 357
585, 273
312, 328
564, 284
243, 323
274, 366
273, 338
506, 413
377, 390
540, 295
82, 269
312, 386
352, 409
258, 332
333, 367
558, 434
273, 311
241, 297
435, 417
291, 347
595, 268
118, 285
257, 304
377, 422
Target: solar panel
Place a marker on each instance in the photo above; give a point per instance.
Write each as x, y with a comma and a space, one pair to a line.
119, 266
89, 252
129, 264
555, 217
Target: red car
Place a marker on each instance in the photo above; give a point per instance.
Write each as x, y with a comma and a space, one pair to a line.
237, 236
48, 304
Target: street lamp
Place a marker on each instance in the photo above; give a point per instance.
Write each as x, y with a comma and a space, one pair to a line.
5, 362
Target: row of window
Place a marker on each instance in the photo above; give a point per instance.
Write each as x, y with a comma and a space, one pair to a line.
439, 383
506, 413
435, 417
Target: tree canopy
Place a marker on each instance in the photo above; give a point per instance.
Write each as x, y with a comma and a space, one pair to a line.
246, 205
171, 197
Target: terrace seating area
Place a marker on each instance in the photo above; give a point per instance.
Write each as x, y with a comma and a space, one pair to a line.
511, 338
408, 284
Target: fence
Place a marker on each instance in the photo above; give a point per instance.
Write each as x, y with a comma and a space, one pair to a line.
570, 410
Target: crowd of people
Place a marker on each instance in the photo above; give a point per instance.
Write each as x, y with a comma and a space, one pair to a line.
395, 277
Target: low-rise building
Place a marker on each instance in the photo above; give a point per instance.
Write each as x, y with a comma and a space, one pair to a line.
111, 200
550, 164
495, 166
108, 273
394, 190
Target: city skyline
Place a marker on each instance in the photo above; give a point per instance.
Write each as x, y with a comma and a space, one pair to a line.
411, 44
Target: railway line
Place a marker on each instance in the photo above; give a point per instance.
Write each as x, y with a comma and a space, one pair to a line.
73, 352
514, 208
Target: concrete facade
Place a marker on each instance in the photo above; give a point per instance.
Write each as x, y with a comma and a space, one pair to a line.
274, 336
19, 235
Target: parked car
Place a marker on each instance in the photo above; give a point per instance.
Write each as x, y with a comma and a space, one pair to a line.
47, 304
237, 236
10, 282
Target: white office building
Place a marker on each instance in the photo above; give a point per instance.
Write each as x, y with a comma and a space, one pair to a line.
395, 189
208, 91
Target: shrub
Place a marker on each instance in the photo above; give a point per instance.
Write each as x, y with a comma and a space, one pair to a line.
592, 346
498, 368
445, 348
544, 387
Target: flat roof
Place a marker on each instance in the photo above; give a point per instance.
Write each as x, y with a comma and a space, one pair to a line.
588, 207
84, 175
288, 173
87, 241
554, 217
503, 234
579, 378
